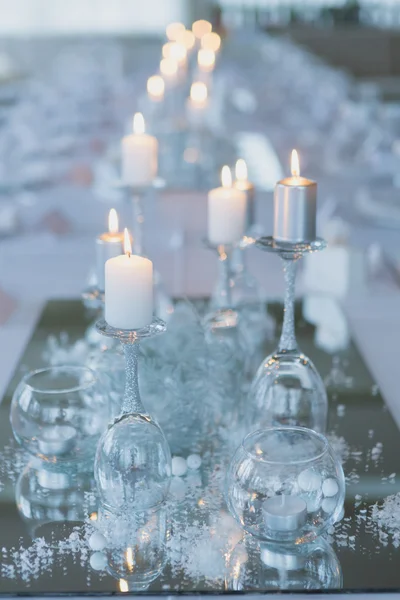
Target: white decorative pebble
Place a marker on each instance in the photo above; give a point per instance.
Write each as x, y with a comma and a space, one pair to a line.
313, 503
309, 480
193, 461
330, 487
97, 541
98, 561
179, 466
328, 505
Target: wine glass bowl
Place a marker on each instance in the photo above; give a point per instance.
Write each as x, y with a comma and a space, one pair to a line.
285, 484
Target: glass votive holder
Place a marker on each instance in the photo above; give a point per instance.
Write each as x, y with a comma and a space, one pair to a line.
285, 484
59, 413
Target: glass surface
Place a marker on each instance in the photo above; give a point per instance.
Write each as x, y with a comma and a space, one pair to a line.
205, 549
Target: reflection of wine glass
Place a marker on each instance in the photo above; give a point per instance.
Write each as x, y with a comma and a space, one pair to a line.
135, 545
52, 499
259, 566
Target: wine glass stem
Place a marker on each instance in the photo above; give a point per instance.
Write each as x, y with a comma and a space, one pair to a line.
138, 223
132, 402
225, 275
287, 342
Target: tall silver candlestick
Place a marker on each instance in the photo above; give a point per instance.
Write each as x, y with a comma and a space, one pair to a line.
295, 207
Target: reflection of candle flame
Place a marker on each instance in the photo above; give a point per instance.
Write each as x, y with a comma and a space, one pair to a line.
138, 123
129, 559
127, 243
113, 221
226, 177
295, 164
198, 92
241, 170
93, 516
123, 585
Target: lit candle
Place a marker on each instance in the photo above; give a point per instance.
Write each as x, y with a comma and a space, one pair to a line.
129, 290
226, 212
197, 103
156, 88
295, 206
211, 41
242, 183
206, 60
200, 28
108, 245
285, 513
139, 155
173, 30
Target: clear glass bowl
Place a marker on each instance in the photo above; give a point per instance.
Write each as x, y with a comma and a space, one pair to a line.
133, 464
285, 484
257, 566
59, 413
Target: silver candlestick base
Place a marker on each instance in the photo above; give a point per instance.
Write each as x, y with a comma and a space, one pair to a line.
287, 389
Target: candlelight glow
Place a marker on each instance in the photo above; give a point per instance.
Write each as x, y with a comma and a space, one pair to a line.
178, 53
206, 59
93, 516
295, 164
123, 585
127, 243
129, 558
198, 92
226, 177
211, 41
187, 39
138, 124
156, 86
113, 221
201, 28
241, 170
166, 49
168, 67
173, 30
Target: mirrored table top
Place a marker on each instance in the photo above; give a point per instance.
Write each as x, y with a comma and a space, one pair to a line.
48, 514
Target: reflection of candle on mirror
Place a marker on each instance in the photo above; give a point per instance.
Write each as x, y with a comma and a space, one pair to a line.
211, 41
123, 586
129, 559
295, 206
285, 513
242, 183
139, 155
206, 60
226, 212
156, 88
108, 245
173, 30
128, 289
200, 28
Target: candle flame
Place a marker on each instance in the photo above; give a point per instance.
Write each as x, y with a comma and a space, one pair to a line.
156, 86
123, 585
198, 92
201, 27
138, 123
206, 59
211, 41
186, 38
295, 164
113, 221
168, 67
173, 30
127, 243
226, 177
241, 170
129, 558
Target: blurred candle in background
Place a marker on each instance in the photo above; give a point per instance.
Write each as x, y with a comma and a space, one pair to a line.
295, 206
206, 60
156, 88
169, 70
226, 212
108, 245
173, 31
200, 28
139, 155
211, 41
197, 104
187, 39
242, 183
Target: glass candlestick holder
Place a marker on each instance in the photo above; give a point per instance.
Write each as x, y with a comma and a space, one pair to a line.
287, 389
133, 460
163, 305
93, 300
222, 314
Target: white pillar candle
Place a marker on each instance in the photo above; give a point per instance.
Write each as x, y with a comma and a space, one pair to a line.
108, 245
226, 212
295, 207
129, 290
242, 183
139, 155
156, 88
